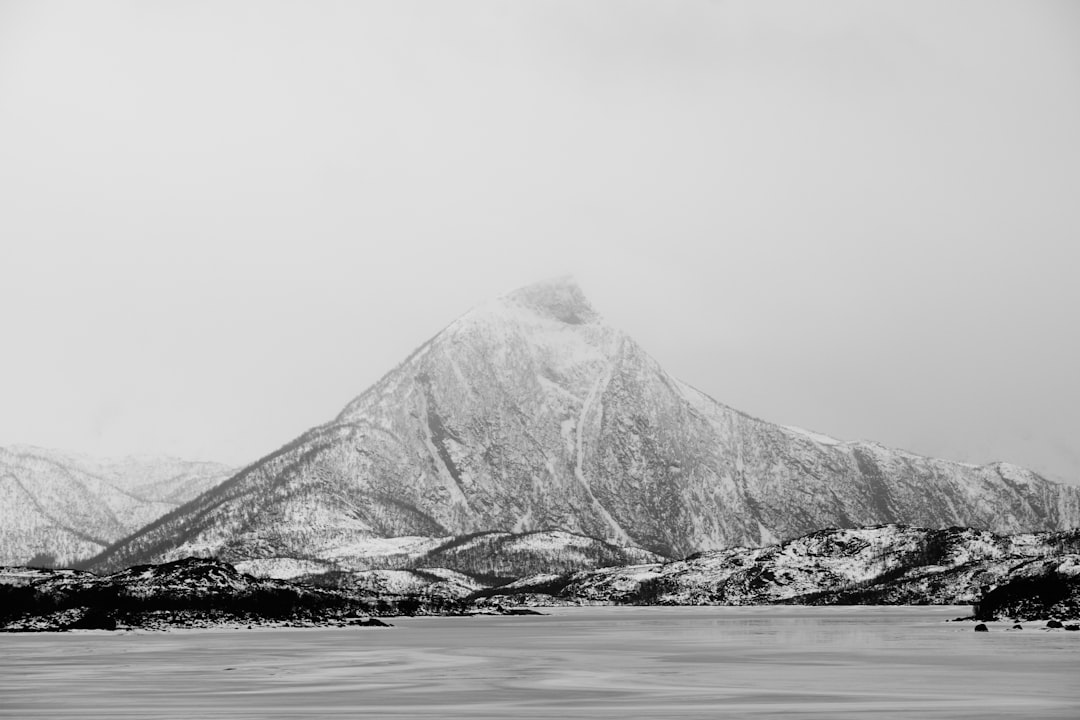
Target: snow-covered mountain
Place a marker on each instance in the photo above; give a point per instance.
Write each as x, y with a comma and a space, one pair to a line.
68, 507
530, 413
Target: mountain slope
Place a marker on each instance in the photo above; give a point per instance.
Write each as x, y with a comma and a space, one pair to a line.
491, 556
529, 413
69, 507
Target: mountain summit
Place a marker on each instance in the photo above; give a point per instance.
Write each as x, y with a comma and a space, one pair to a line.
560, 299
529, 413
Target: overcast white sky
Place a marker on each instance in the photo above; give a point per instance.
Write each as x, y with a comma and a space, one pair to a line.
220, 221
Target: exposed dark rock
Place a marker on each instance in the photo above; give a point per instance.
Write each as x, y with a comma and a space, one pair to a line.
1053, 624
1017, 627
193, 592
1048, 587
94, 619
981, 628
1074, 628
520, 611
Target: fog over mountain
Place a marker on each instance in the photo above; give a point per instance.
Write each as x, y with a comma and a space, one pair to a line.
223, 219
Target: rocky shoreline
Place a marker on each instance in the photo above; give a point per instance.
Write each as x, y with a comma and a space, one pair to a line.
1022, 578
188, 593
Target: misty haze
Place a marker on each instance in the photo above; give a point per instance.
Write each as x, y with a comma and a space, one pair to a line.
603, 359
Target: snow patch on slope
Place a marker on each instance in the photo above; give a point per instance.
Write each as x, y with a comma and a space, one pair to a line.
815, 436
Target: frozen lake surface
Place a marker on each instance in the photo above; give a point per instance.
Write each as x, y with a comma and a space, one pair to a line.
758, 662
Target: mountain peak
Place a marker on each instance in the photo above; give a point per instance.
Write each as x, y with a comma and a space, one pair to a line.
559, 298
529, 414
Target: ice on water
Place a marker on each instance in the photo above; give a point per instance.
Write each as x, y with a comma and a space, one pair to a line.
754, 662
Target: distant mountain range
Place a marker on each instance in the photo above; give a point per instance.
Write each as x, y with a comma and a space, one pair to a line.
529, 413
1055, 457
58, 507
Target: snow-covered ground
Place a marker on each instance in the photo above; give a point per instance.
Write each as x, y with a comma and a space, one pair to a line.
748, 662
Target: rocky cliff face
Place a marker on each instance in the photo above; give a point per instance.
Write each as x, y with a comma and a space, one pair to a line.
529, 413
59, 507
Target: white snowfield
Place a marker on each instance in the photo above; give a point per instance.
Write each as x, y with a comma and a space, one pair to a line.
438, 582
817, 437
280, 568
367, 559
836, 663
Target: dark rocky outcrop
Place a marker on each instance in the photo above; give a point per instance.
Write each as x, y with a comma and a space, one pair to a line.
1044, 588
188, 592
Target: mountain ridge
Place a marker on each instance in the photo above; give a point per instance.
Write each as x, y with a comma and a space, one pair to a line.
57, 506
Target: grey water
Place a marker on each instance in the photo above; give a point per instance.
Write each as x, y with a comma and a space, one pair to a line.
608, 662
